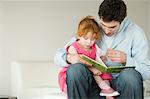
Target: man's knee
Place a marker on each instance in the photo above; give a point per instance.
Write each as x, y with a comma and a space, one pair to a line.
128, 82
131, 76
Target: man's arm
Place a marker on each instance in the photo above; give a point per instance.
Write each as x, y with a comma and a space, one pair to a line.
60, 56
140, 57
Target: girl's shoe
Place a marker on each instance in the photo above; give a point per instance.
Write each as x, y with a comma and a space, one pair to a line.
109, 92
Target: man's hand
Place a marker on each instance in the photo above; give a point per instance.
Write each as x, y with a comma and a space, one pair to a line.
103, 58
116, 56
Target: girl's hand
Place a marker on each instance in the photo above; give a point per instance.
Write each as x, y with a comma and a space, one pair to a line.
95, 71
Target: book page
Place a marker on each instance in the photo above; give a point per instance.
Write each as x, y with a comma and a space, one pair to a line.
98, 59
99, 64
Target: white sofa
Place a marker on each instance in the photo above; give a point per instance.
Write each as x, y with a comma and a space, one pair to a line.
38, 80
147, 89
35, 80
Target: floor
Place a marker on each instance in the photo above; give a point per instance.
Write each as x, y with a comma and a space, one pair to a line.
55, 93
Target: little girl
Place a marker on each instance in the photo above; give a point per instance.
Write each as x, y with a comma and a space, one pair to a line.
87, 35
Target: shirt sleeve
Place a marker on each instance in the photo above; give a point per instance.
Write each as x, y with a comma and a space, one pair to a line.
139, 56
99, 52
60, 56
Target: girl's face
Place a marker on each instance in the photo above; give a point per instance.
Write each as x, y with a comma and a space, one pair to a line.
87, 41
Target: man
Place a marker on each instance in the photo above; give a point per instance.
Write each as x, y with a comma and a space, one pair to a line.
124, 44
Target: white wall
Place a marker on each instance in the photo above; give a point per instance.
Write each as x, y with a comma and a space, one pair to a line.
3, 69
148, 26
139, 12
34, 30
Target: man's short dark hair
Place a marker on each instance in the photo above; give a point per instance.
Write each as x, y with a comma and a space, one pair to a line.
112, 10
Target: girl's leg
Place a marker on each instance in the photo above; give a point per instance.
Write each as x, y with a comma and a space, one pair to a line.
106, 89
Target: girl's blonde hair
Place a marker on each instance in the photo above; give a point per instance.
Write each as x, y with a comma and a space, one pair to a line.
88, 24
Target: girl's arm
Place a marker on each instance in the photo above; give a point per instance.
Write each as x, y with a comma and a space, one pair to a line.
72, 55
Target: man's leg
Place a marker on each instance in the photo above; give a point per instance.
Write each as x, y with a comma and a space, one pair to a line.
129, 84
80, 83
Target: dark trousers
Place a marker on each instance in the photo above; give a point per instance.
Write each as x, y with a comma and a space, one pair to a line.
81, 84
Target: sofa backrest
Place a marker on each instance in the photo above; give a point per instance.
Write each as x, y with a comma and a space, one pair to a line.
30, 74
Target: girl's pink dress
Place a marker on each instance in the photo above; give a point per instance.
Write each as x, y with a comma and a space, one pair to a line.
91, 54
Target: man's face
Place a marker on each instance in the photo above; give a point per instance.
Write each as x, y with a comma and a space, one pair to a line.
109, 28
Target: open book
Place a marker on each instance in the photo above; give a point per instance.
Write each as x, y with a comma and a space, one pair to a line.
99, 64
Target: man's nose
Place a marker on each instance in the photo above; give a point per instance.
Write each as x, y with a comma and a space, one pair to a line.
107, 30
